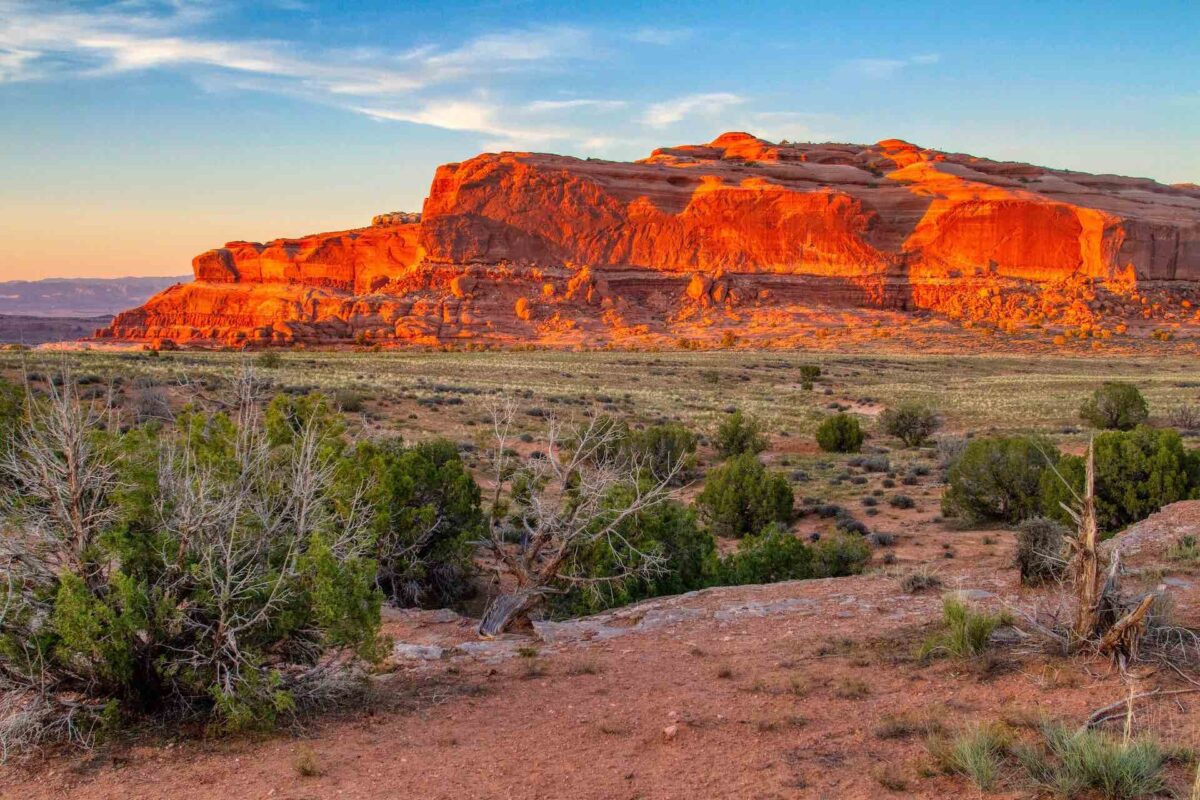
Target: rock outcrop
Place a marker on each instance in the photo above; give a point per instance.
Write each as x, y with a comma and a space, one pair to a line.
734, 234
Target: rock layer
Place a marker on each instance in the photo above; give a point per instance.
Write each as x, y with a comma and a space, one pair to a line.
524, 247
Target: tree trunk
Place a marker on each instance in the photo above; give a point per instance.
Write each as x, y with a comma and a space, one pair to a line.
1088, 567
506, 609
1123, 638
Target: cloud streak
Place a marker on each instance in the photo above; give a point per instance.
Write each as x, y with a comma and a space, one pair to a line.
474, 117
447, 86
37, 44
660, 36
569, 105
669, 112
889, 67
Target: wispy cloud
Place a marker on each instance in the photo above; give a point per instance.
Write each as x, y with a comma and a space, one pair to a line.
566, 105
39, 41
668, 112
455, 86
472, 116
660, 36
888, 67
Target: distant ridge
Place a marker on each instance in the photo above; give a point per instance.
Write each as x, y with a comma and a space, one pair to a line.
30, 331
79, 297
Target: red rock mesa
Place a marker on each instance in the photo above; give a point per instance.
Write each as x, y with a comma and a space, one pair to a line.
739, 234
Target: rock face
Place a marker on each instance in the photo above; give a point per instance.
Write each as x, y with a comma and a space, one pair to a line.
739, 233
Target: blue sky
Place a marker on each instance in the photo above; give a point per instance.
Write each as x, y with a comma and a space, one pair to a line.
134, 134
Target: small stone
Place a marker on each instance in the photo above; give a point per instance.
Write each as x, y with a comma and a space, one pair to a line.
423, 652
670, 732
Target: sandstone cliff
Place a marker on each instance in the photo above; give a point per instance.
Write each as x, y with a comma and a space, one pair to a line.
523, 247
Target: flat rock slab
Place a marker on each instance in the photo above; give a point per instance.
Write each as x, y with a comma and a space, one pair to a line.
417, 652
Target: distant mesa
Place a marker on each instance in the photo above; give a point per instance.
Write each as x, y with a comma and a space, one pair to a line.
737, 234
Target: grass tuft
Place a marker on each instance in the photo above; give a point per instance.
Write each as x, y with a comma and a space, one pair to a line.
852, 689
967, 635
1061, 763
903, 726
889, 778
584, 666
306, 764
1186, 549
1074, 763
977, 753
921, 580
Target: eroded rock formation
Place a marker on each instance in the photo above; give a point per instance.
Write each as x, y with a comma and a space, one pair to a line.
737, 233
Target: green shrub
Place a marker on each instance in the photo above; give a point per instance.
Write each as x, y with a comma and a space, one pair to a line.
350, 401
912, 423
428, 515
607, 436
658, 448
840, 433
949, 449
808, 376
1041, 550
998, 479
268, 359
666, 447
739, 434
668, 532
1137, 473
840, 554
290, 416
741, 497
198, 570
967, 635
12, 404
1115, 405
767, 557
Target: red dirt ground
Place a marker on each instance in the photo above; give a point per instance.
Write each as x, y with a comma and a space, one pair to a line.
750, 692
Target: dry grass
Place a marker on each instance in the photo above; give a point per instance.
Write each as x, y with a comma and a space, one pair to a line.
584, 665
904, 726
852, 689
1187, 549
306, 764
971, 391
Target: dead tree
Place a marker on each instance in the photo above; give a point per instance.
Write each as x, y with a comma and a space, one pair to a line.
63, 483
1102, 618
1087, 566
547, 509
56, 500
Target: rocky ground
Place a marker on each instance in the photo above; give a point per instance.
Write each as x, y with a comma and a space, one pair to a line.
803, 689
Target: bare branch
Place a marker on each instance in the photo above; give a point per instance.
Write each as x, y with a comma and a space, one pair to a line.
579, 495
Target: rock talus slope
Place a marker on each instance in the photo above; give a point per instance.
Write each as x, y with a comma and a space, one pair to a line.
739, 234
